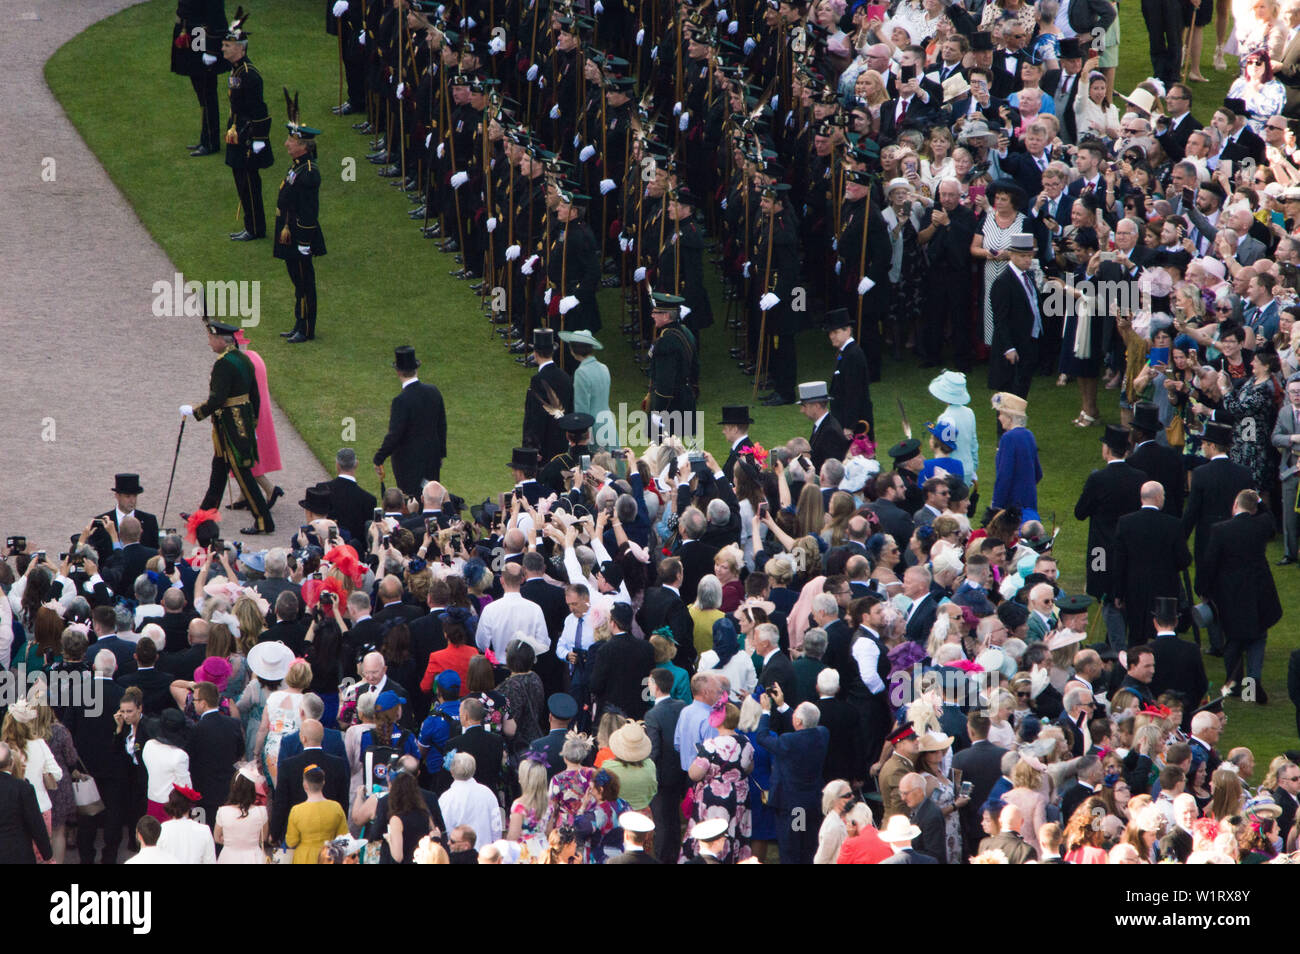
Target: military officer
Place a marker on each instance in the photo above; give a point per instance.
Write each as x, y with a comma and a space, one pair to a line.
234, 405
248, 147
196, 54
297, 226
775, 263
577, 431
681, 261
573, 266
674, 368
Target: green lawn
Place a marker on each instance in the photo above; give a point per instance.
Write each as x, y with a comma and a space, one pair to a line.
383, 285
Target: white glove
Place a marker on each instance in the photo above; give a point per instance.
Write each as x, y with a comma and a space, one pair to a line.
401, 88
639, 275
468, 22
304, 249
555, 111
442, 147
497, 45
776, 101
187, 410
745, 270
768, 301
835, 244
532, 73
258, 145
722, 16
428, 140
547, 297
865, 285
684, 311
654, 52
598, 8
577, 138
587, 153
631, 244
361, 38
512, 253
724, 203
838, 266
208, 59
340, 8
684, 123
607, 186
640, 37
528, 266
622, 243
459, 179
568, 303
677, 109
541, 82
749, 45
733, 27
492, 224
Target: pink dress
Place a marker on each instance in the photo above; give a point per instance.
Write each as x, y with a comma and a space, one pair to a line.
268, 449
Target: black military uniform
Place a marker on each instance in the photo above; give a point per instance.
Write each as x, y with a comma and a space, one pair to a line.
196, 54
681, 264
297, 226
855, 264
234, 404
248, 146
774, 262
550, 397
573, 271
674, 366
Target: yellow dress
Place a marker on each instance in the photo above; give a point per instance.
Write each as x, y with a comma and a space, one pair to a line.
311, 824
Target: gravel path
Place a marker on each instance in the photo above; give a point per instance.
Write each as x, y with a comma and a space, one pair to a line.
88, 390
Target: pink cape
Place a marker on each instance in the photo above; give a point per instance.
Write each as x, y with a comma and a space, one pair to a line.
268, 448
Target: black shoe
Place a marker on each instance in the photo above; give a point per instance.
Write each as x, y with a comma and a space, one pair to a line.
238, 505
408, 183
519, 347
500, 318
451, 245
528, 361
192, 146
201, 151
736, 353
276, 494
379, 142
296, 338
389, 172
288, 334
431, 231
476, 286
254, 531
363, 126
419, 212
1286, 561
244, 236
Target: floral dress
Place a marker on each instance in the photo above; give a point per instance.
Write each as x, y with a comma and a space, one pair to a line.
724, 793
1253, 411
64, 802
606, 835
1264, 102
284, 716
572, 792
943, 796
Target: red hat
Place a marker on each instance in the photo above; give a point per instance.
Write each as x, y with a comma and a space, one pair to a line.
189, 793
901, 733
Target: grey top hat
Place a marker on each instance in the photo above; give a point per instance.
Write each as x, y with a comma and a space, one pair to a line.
813, 392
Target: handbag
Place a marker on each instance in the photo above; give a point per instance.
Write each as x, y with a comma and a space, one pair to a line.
1175, 434
86, 794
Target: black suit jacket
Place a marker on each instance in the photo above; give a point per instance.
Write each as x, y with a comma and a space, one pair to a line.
919, 114
779, 669
619, 673
21, 823
1235, 575
93, 734
216, 743
124, 565
416, 438
1214, 486
1109, 493
894, 520
181, 665
103, 544
697, 562
177, 628
1180, 669
272, 587
828, 442
850, 388
1149, 557
123, 651
909, 856
932, 841
633, 858
1013, 326
1021, 167
846, 756
352, 506
1011, 845
981, 765
660, 606
922, 619
1174, 140
487, 749
289, 791
1165, 465
542, 430
660, 727
1247, 145
551, 599
156, 684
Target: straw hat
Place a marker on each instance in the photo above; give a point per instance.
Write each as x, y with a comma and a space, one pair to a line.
630, 743
934, 742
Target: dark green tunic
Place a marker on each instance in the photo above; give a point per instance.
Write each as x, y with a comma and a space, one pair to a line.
234, 405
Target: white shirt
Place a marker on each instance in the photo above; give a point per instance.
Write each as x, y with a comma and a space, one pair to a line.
568, 640
188, 841
167, 765
867, 655
151, 855
473, 804
739, 671
40, 760
409, 381
503, 619
819, 421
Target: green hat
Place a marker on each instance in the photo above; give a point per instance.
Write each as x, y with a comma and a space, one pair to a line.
665, 302
294, 125
775, 190
220, 328
572, 198
857, 176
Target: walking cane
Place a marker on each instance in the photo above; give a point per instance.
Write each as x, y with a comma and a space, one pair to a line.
175, 458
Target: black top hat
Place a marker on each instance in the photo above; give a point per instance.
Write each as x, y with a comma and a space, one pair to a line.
737, 414
837, 318
404, 358
523, 458
1165, 607
317, 499
127, 484
1070, 48
1218, 433
543, 339
1115, 437
1146, 417
576, 423
981, 41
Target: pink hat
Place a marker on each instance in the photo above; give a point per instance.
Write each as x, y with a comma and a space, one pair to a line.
214, 670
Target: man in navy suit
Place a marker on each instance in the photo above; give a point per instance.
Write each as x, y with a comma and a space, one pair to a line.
898, 834
216, 743
661, 727
417, 429
798, 751
1017, 321
129, 560
289, 791
351, 505
103, 621
1027, 167
313, 707
92, 731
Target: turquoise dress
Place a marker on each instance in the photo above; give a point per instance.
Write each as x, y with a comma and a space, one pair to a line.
681, 681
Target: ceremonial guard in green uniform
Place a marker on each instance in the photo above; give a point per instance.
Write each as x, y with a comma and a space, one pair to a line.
297, 227
234, 405
248, 147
